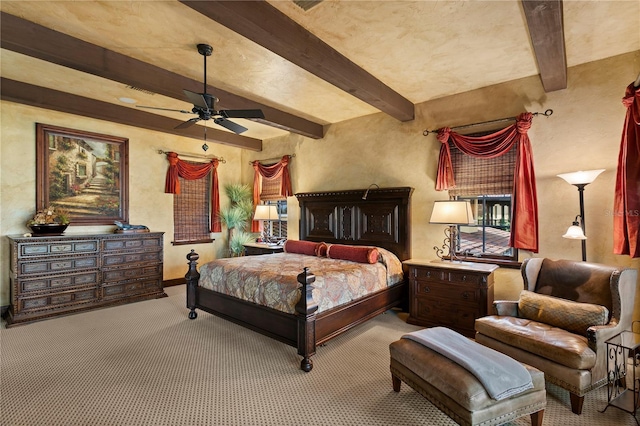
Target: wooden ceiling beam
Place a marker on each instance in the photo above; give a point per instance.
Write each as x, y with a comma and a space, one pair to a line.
546, 29
42, 97
267, 26
37, 41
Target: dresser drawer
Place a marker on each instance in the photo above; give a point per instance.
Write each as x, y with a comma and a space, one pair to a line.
455, 292
131, 288
57, 265
58, 300
146, 244
126, 258
446, 313
120, 274
447, 276
41, 284
42, 248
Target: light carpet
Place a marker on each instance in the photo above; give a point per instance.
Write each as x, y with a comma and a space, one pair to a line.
146, 363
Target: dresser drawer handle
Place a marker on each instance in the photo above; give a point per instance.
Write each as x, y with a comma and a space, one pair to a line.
465, 295
464, 278
426, 289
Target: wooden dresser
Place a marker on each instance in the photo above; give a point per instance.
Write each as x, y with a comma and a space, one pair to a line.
449, 294
58, 275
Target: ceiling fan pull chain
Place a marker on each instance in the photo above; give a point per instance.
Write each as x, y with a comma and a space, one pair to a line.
205, 147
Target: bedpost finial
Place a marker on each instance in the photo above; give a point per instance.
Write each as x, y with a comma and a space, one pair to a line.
305, 277
193, 256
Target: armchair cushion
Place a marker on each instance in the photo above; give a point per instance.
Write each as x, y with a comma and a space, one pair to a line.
575, 317
544, 340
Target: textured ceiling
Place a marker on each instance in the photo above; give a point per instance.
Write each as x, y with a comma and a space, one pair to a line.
422, 50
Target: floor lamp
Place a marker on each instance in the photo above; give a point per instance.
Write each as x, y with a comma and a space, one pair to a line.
580, 179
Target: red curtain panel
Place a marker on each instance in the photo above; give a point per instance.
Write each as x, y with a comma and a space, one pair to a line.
280, 170
524, 201
626, 205
192, 171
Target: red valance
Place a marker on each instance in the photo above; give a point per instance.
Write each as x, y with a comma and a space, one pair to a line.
280, 170
626, 206
524, 204
192, 171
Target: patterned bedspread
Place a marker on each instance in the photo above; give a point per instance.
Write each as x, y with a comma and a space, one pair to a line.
270, 280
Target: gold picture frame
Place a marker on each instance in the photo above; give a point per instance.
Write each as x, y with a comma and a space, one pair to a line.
85, 173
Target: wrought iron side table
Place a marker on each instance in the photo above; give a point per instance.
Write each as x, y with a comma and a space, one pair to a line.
623, 359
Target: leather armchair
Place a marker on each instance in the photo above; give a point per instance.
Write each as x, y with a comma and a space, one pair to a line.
558, 338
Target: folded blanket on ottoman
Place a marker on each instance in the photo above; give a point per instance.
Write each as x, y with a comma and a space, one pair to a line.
501, 376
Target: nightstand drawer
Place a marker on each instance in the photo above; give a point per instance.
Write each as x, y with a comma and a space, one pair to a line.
451, 291
432, 274
446, 313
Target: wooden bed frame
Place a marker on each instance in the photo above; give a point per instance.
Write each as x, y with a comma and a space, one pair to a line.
347, 217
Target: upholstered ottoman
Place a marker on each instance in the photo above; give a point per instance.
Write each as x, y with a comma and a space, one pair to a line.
457, 392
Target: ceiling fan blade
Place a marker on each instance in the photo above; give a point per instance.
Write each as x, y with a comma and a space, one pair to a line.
165, 109
235, 128
188, 123
196, 99
242, 113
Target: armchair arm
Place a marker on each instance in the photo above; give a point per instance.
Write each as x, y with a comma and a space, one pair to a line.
507, 308
598, 334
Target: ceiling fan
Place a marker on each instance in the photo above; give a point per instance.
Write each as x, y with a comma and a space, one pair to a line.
204, 105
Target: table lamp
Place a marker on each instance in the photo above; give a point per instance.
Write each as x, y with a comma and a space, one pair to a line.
451, 213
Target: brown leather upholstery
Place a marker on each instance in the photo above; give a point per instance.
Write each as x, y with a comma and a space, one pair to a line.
572, 361
577, 281
457, 392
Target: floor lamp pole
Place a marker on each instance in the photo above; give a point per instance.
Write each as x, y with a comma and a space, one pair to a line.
584, 242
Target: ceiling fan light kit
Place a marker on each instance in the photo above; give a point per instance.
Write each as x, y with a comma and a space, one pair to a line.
204, 105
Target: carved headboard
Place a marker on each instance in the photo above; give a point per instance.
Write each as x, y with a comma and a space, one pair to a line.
344, 217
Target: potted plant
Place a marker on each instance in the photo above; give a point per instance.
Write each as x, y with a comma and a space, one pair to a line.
52, 220
237, 217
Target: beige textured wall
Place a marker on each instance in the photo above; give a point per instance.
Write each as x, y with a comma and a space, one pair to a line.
148, 204
583, 133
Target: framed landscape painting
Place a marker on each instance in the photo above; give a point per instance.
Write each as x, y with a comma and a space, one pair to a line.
84, 173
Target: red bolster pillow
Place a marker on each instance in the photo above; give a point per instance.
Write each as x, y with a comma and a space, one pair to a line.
322, 249
361, 254
301, 247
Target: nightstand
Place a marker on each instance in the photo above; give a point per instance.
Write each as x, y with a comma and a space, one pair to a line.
449, 294
253, 249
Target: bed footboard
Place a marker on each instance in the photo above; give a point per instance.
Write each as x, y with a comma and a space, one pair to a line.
298, 330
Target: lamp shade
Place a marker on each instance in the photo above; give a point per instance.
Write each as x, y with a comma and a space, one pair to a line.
452, 212
581, 177
264, 212
575, 233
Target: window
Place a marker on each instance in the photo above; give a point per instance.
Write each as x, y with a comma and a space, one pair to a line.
488, 185
489, 237
277, 229
191, 211
82, 170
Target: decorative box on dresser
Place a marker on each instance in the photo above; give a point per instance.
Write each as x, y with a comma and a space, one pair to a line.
449, 294
56, 275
